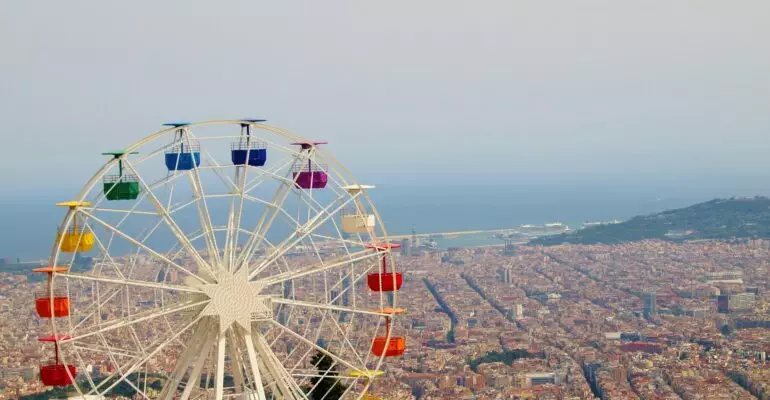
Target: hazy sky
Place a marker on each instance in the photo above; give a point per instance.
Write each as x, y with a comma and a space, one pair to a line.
512, 91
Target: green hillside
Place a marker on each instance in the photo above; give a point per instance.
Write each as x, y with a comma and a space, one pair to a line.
715, 219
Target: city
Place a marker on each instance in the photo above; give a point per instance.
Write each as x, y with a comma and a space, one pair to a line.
648, 320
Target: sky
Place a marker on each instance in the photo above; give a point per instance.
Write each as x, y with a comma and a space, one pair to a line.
604, 93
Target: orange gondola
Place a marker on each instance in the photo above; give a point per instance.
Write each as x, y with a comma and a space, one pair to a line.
51, 304
389, 346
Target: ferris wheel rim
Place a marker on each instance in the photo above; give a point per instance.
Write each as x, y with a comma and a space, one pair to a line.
94, 180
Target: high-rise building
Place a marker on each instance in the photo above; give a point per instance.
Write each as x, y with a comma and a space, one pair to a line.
346, 291
510, 248
650, 305
507, 278
518, 313
723, 304
288, 289
288, 293
406, 249
742, 301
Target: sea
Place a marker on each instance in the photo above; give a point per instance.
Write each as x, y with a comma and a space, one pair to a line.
30, 221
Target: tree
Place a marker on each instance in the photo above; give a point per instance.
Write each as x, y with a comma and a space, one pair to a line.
329, 387
725, 329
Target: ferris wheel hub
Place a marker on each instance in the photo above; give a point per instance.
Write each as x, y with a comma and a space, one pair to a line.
235, 299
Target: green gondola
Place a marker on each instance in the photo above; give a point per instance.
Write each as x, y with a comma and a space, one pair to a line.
121, 186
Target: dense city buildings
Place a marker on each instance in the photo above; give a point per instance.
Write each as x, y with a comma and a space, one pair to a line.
642, 320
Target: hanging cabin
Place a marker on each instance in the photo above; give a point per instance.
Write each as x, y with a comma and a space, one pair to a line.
389, 346
56, 374
384, 281
121, 186
184, 153
247, 150
309, 175
76, 238
355, 219
48, 303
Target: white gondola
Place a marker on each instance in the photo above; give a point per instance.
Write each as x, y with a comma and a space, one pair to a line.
356, 219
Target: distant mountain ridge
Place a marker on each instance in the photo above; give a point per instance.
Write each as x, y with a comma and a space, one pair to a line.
738, 217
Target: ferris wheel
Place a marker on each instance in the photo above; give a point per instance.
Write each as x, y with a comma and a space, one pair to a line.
221, 259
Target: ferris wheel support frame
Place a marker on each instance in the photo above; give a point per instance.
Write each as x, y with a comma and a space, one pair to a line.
248, 369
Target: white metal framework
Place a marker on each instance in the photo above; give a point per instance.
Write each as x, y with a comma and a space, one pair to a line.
223, 280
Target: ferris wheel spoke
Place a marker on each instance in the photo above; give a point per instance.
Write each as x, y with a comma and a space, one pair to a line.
141, 245
230, 239
220, 367
106, 253
343, 335
257, 200
300, 233
342, 241
129, 282
315, 346
183, 361
175, 229
236, 363
234, 215
329, 307
256, 375
134, 319
323, 376
203, 216
332, 264
157, 349
286, 384
97, 305
260, 232
111, 355
194, 378
265, 173
262, 227
243, 194
122, 211
107, 349
284, 180
225, 179
203, 210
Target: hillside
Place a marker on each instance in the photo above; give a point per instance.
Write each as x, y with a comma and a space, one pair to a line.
715, 219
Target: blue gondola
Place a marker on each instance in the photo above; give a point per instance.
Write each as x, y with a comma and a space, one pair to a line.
185, 154
247, 150
183, 160
257, 157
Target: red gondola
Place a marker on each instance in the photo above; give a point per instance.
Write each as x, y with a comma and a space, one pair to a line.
57, 374
384, 281
60, 306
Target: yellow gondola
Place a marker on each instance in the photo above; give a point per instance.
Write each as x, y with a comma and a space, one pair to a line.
75, 239
367, 374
